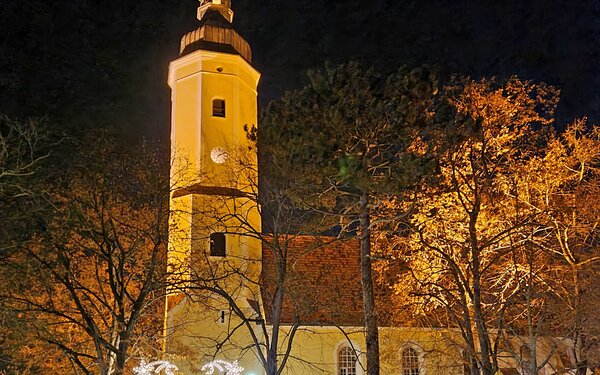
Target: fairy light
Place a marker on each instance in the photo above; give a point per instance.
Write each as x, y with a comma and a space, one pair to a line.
155, 367
223, 366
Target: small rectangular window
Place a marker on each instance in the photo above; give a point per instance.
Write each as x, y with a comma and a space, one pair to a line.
218, 108
222, 315
217, 245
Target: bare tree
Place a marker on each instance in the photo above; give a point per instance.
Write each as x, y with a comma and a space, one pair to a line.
24, 148
230, 288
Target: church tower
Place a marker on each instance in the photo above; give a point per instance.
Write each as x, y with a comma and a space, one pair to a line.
214, 246
214, 91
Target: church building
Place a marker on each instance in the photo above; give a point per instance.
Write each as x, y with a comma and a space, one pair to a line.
229, 302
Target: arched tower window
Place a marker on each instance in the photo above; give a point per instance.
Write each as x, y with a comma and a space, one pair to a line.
346, 361
411, 361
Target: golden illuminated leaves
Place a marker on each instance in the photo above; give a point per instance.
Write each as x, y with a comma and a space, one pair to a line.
95, 273
506, 236
465, 228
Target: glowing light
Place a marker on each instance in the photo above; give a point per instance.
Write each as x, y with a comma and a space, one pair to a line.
219, 155
155, 367
223, 366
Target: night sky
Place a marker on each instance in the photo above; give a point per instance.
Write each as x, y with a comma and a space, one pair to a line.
86, 64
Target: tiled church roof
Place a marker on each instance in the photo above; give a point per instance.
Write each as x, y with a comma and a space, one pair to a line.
323, 280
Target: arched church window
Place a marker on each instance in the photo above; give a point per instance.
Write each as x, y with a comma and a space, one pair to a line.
217, 245
410, 361
347, 361
218, 108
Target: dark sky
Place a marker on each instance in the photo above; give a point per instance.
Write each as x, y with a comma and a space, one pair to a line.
91, 64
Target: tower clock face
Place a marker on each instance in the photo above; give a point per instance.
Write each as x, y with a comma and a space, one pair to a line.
219, 155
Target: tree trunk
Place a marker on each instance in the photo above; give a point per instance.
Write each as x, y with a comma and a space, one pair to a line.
581, 356
277, 311
487, 368
468, 335
370, 312
271, 362
580, 338
122, 353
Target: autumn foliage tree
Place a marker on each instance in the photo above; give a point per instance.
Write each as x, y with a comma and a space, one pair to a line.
466, 233
566, 181
93, 279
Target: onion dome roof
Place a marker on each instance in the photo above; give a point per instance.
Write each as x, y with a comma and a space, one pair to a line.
215, 32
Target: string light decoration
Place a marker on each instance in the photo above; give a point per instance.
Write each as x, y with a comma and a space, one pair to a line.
155, 368
223, 366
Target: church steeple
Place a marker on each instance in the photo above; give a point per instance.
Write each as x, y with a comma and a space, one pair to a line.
214, 174
215, 32
221, 6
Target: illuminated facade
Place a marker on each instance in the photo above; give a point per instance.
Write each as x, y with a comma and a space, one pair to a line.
215, 237
214, 98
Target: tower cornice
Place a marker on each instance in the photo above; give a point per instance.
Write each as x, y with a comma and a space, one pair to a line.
199, 57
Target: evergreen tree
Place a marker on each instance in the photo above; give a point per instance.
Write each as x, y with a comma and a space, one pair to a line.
347, 140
